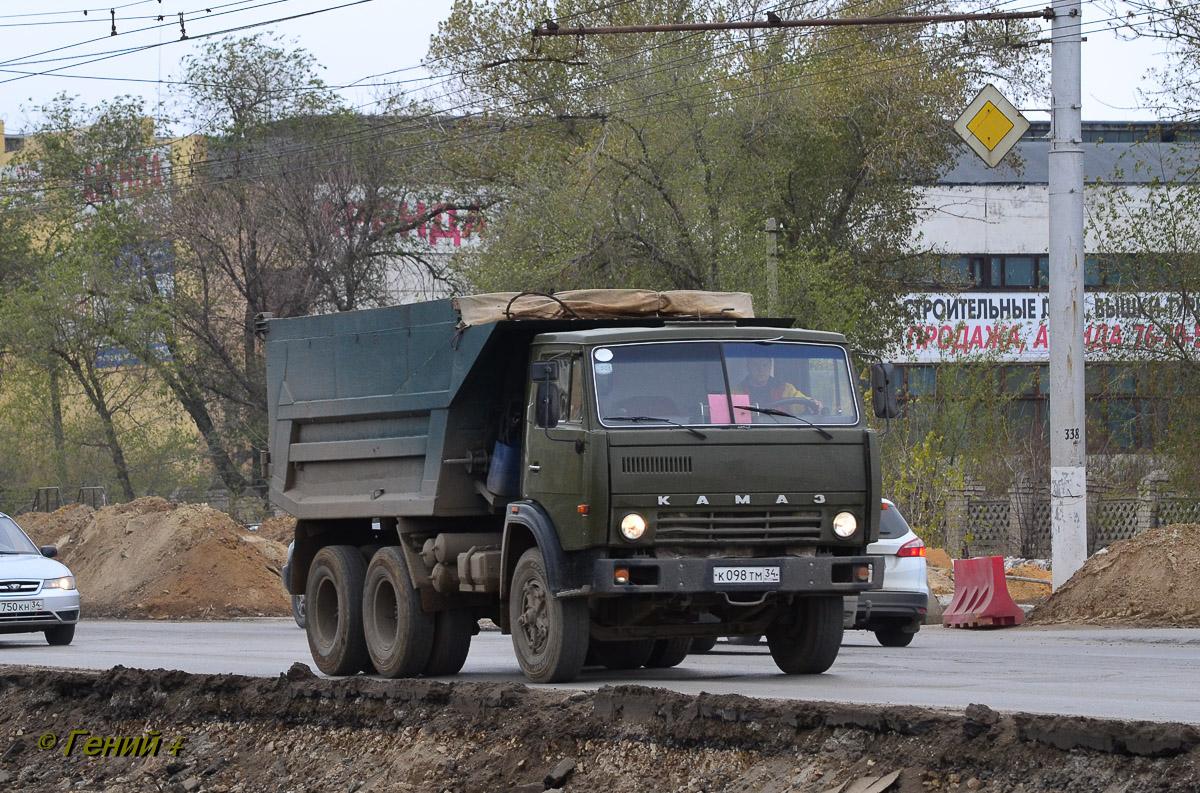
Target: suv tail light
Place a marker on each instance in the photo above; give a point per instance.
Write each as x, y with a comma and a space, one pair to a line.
912, 548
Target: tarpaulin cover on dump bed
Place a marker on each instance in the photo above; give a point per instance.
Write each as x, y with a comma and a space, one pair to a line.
602, 304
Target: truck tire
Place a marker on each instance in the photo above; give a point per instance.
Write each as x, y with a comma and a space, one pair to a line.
705, 645
894, 637
399, 634
452, 631
549, 634
333, 602
808, 642
622, 654
668, 653
298, 611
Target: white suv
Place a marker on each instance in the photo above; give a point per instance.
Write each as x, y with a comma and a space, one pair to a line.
36, 592
895, 612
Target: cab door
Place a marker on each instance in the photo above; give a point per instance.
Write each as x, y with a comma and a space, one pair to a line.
555, 474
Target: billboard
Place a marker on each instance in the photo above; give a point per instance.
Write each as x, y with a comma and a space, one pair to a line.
1014, 326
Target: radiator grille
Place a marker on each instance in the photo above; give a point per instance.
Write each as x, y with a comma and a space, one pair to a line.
17, 587
656, 465
29, 616
717, 527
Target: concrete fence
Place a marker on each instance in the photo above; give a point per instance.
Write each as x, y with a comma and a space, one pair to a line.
1018, 524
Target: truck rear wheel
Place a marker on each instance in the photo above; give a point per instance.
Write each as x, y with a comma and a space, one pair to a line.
807, 642
622, 654
399, 634
668, 653
333, 601
452, 630
550, 635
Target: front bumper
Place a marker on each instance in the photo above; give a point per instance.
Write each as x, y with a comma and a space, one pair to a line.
808, 575
890, 608
59, 607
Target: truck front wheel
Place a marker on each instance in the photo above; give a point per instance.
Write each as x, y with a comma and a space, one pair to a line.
807, 641
333, 600
399, 634
550, 635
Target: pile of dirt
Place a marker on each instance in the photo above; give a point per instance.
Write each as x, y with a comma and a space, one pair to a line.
281, 528
152, 558
939, 571
1025, 591
299, 733
936, 557
1152, 579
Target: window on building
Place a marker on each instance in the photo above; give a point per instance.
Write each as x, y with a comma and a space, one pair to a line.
1109, 270
920, 381
1023, 271
1018, 270
1119, 424
1026, 380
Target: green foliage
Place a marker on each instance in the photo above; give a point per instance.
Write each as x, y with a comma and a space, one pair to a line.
654, 161
920, 476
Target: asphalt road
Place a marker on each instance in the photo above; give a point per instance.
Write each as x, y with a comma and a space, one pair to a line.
1126, 673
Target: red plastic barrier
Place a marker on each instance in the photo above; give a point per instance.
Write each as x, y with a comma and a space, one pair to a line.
981, 598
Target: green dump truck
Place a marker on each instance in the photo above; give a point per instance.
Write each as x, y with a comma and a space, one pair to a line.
605, 474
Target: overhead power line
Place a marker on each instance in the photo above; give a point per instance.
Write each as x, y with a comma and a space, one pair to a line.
774, 22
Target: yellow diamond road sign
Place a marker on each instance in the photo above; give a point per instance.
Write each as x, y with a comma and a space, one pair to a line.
991, 125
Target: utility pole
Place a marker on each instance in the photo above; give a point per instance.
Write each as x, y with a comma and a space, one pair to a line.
1068, 438
772, 267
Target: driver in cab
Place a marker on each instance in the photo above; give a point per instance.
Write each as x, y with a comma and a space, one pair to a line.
764, 388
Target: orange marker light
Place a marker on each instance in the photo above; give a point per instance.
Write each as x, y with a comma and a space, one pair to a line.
582, 509
621, 576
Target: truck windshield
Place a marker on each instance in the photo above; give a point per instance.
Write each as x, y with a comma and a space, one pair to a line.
723, 383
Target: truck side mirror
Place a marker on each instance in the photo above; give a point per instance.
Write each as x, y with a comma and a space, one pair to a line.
543, 371
547, 408
883, 391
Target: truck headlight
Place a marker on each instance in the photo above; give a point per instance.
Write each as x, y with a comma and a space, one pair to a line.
633, 526
66, 582
844, 525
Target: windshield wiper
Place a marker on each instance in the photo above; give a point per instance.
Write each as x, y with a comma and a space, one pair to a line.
785, 414
657, 420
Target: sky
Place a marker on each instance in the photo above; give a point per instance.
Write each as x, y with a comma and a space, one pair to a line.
363, 41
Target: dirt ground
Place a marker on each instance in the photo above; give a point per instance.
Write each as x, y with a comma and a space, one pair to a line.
152, 558
357, 735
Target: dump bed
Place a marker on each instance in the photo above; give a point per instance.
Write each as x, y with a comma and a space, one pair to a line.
365, 407
359, 403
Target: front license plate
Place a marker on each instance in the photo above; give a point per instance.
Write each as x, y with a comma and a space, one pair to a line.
745, 575
19, 606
